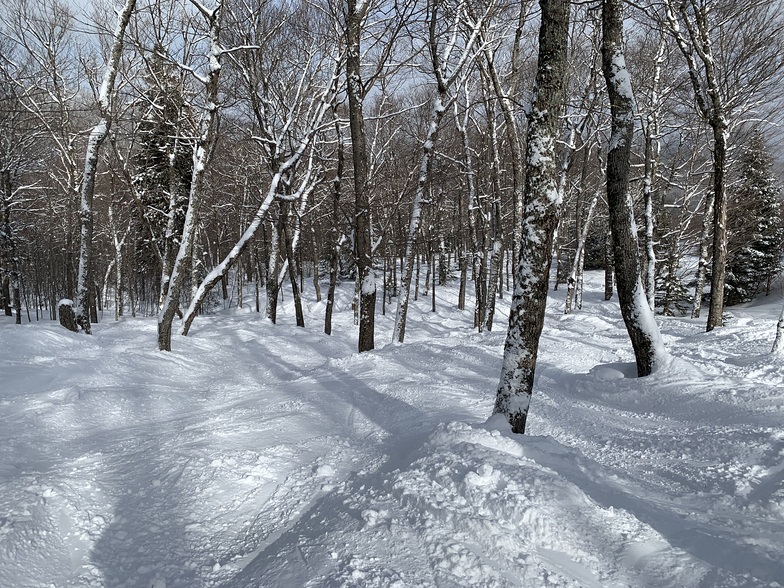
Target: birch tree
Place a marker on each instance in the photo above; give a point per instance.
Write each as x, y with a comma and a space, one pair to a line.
84, 283
202, 153
448, 64
540, 218
733, 57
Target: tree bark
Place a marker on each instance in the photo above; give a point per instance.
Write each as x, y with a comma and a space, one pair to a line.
84, 282
637, 315
364, 253
334, 232
201, 159
540, 218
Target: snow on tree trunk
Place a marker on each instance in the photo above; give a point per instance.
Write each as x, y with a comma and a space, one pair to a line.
97, 135
540, 218
201, 158
702, 264
273, 268
496, 225
334, 260
578, 257
637, 314
778, 344
425, 164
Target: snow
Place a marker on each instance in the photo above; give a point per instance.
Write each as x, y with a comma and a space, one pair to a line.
270, 455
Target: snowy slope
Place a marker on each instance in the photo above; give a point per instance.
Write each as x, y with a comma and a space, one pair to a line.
266, 455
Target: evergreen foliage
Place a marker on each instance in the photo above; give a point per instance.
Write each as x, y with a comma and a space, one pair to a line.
756, 228
164, 160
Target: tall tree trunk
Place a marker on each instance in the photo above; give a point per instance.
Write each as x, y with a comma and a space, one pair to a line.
719, 263
84, 282
334, 232
292, 263
425, 165
202, 154
273, 267
578, 257
640, 324
540, 218
651, 132
356, 94
7, 247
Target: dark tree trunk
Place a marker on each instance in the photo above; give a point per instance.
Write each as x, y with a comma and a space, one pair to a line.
356, 94
719, 263
540, 218
334, 234
637, 315
292, 269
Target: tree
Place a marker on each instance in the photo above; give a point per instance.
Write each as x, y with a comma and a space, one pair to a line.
202, 153
84, 283
357, 11
540, 218
733, 56
755, 240
637, 314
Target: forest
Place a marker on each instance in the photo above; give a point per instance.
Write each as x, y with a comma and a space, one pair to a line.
281, 279
148, 155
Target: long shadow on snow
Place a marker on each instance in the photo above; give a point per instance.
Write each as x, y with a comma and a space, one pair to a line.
403, 429
147, 536
702, 541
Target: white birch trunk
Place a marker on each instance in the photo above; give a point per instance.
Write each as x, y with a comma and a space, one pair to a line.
778, 344
578, 257
97, 136
201, 157
437, 114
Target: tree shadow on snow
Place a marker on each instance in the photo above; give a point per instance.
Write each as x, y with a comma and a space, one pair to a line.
146, 538
704, 541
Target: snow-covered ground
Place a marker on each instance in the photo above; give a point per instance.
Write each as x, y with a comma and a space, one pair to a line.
260, 455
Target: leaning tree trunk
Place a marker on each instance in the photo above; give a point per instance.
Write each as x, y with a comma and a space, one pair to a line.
638, 316
540, 218
99, 132
425, 165
201, 158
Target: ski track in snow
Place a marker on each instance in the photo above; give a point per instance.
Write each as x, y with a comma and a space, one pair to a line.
267, 455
